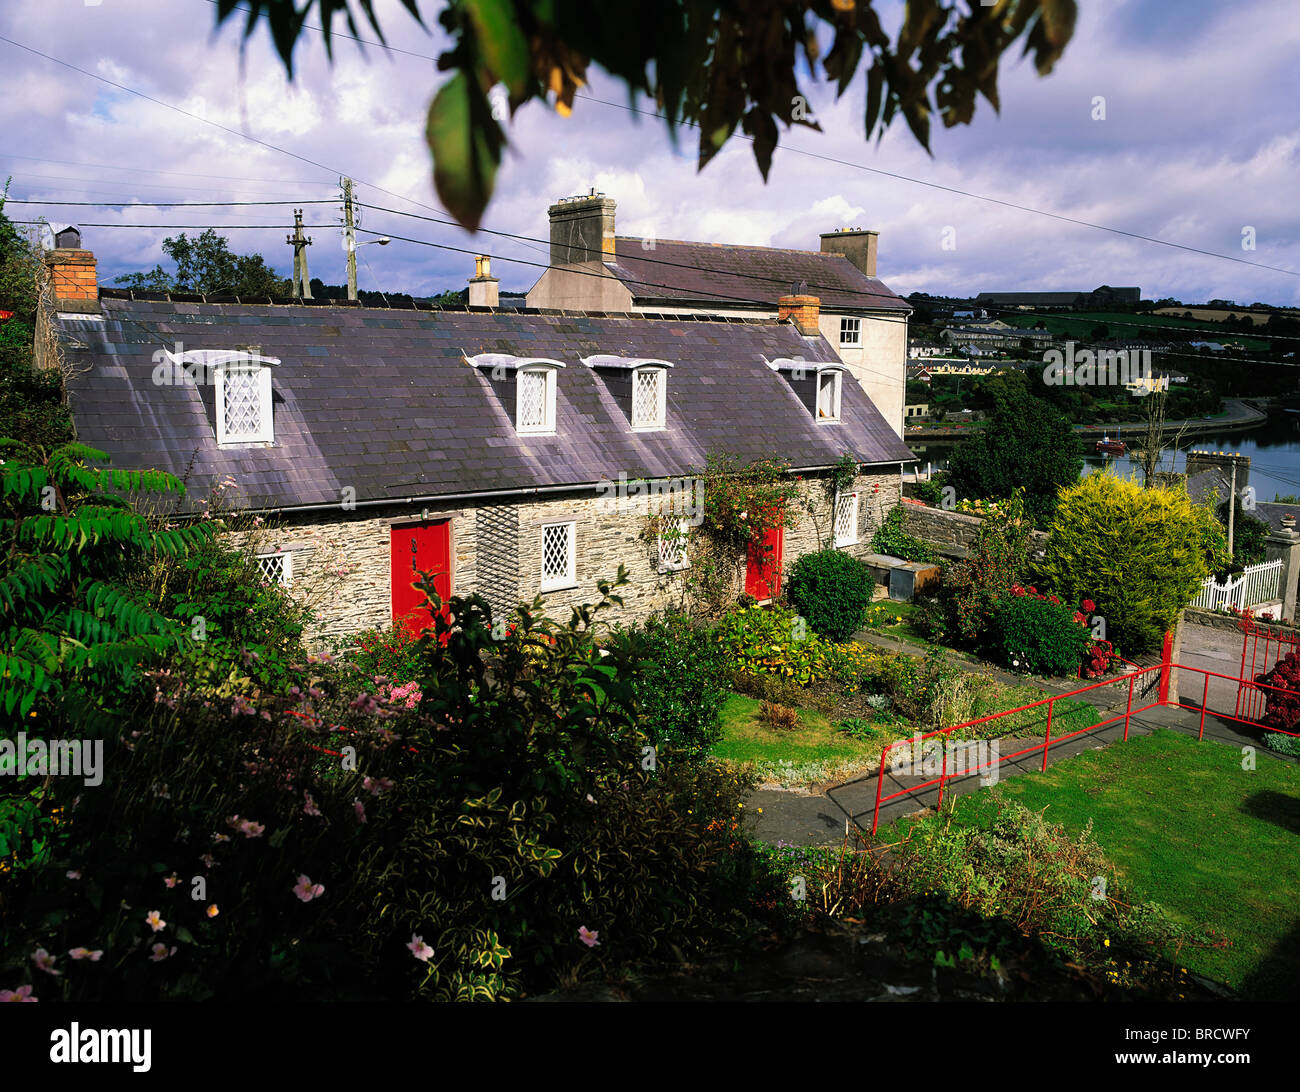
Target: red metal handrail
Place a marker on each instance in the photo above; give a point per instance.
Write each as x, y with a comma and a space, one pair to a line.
1166, 669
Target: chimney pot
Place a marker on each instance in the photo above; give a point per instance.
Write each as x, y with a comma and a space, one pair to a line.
484, 289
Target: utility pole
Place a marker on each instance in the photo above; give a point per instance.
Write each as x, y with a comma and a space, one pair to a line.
300, 243
1232, 504
350, 237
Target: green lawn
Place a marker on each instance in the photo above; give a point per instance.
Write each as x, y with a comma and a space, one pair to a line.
814, 751
1217, 846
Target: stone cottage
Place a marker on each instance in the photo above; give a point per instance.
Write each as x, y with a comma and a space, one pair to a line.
515, 453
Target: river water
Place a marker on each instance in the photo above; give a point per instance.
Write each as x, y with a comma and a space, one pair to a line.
1274, 452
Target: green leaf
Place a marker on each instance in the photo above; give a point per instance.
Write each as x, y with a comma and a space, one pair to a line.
465, 141
501, 43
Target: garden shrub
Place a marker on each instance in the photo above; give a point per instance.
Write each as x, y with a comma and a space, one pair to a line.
488, 834
832, 590
1282, 743
891, 539
1282, 707
394, 653
962, 612
1034, 634
679, 684
1141, 554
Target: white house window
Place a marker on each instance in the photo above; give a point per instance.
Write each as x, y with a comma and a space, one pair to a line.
846, 519
828, 396
850, 331
243, 397
649, 398
535, 408
558, 556
276, 568
672, 544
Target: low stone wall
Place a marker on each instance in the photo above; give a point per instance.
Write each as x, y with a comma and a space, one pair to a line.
955, 529
1198, 616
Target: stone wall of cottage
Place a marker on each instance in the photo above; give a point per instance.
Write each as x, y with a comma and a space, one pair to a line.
341, 560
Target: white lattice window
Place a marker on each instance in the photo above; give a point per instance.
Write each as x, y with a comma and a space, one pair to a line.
649, 397
850, 331
558, 556
243, 396
846, 519
535, 405
672, 544
828, 396
276, 568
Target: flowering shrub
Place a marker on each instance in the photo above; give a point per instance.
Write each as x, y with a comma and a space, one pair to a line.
392, 652
832, 590
779, 642
1038, 633
744, 501
446, 838
1282, 707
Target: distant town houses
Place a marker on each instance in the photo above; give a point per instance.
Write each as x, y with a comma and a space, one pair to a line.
996, 335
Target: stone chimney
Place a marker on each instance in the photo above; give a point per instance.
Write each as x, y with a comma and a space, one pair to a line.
805, 310
857, 245
582, 229
73, 273
483, 287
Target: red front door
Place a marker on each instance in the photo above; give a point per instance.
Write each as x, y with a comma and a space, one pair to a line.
763, 565
426, 547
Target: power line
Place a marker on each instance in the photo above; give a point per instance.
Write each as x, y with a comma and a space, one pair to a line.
166, 204
158, 170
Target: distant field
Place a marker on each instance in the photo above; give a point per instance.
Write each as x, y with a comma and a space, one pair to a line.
1079, 326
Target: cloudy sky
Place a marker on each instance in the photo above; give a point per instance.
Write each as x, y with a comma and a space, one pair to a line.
1199, 143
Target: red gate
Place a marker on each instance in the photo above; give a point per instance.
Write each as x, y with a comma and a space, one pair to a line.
1261, 648
415, 548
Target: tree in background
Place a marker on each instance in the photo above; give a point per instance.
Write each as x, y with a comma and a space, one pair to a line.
711, 66
1139, 554
207, 265
1027, 442
32, 408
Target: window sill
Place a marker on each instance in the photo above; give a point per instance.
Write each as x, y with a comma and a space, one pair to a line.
545, 588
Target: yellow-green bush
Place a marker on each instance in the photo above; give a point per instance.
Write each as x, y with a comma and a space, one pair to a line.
1139, 554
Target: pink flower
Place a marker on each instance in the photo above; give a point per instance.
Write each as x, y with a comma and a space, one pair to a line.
587, 936
154, 920
248, 828
161, 952
74, 874
45, 961
419, 949
241, 706
221, 838
172, 880
309, 808
86, 953
360, 809
22, 995
375, 786
209, 860
306, 890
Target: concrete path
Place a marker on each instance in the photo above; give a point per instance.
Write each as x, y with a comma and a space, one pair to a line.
823, 818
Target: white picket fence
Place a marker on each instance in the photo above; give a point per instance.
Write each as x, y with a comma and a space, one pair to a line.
1260, 583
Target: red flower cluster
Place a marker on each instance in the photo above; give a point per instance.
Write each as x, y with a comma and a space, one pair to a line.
1020, 589
1099, 660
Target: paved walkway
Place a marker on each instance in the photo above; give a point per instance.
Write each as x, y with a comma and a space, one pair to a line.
823, 818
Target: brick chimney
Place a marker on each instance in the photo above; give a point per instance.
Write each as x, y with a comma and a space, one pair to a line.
582, 229
73, 274
857, 245
484, 290
805, 310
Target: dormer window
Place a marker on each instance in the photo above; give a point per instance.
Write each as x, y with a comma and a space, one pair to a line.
535, 400
828, 396
639, 385
241, 381
817, 385
649, 397
528, 381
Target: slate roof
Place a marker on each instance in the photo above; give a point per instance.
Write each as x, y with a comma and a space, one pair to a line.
383, 400
723, 274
